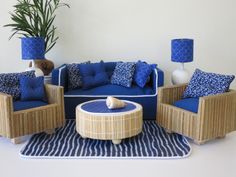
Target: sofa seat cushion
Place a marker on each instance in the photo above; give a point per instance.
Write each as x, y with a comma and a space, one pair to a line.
23, 105
111, 89
189, 104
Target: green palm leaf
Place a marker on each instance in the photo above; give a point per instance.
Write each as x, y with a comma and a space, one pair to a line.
35, 18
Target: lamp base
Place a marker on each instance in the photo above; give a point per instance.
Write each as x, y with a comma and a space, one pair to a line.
180, 76
38, 72
45, 65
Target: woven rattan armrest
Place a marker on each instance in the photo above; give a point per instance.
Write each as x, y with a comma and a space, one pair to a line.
170, 94
6, 105
6, 112
54, 94
217, 112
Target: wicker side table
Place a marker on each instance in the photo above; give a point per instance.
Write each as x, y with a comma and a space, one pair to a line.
94, 120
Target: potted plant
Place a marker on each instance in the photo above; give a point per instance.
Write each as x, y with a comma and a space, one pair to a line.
34, 18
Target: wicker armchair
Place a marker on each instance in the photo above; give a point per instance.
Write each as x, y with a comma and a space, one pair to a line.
215, 118
40, 119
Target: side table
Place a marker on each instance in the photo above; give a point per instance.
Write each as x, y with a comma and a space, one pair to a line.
94, 120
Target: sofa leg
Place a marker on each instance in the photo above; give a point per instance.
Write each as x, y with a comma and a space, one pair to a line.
16, 140
50, 131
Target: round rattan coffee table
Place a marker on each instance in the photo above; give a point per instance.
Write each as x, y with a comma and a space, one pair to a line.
94, 120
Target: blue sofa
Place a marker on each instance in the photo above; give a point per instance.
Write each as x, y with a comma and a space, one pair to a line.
146, 96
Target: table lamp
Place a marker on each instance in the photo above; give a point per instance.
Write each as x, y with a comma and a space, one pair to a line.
33, 48
181, 52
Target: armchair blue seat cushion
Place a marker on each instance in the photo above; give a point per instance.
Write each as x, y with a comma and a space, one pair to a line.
189, 104
10, 83
142, 73
23, 105
111, 89
32, 88
204, 84
123, 74
93, 75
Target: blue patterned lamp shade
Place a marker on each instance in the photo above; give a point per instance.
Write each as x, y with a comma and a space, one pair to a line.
182, 50
33, 48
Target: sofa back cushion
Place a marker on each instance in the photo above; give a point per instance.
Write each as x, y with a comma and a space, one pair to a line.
74, 76
123, 74
142, 73
93, 75
10, 83
110, 67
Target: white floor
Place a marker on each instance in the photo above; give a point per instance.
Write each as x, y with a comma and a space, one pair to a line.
214, 159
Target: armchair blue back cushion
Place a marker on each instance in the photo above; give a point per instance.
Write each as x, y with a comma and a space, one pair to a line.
10, 83
204, 84
32, 88
93, 75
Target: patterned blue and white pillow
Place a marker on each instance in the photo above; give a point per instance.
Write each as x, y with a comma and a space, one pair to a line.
10, 83
142, 73
204, 84
123, 74
74, 77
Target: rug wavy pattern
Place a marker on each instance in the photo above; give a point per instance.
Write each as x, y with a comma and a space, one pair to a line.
153, 142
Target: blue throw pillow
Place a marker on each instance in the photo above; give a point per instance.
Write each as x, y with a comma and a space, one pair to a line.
142, 73
10, 83
32, 88
204, 84
93, 75
123, 74
74, 77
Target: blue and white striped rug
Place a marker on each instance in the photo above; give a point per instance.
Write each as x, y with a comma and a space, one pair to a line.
153, 142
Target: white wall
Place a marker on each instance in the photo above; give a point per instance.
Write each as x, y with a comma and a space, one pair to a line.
136, 29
